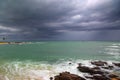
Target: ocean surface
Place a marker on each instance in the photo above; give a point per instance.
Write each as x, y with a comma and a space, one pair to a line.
41, 60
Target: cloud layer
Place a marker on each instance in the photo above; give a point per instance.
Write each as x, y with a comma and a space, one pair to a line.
60, 19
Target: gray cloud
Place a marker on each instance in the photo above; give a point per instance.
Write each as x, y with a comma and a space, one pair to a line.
54, 19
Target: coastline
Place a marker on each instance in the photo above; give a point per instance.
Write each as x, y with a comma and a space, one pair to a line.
2, 43
30, 62
67, 70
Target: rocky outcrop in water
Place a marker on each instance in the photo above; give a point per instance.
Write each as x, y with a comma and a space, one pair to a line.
99, 63
117, 64
68, 76
98, 77
100, 70
95, 70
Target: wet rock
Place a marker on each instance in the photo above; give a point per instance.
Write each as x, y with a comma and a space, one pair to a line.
51, 78
100, 71
111, 67
89, 77
96, 68
85, 69
117, 64
98, 77
68, 76
79, 64
70, 63
107, 67
99, 63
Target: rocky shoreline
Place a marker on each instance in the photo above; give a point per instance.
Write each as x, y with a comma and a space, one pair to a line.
101, 70
69, 70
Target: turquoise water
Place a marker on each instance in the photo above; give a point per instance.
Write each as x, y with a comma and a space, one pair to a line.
52, 51
41, 60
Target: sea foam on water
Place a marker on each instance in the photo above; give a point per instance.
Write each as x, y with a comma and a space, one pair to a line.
40, 71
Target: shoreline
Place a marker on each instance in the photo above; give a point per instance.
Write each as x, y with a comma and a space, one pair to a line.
68, 70
2, 43
100, 70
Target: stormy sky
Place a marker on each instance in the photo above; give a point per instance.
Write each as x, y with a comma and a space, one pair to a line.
60, 19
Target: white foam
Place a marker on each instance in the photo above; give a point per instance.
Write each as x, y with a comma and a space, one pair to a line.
112, 49
41, 71
114, 46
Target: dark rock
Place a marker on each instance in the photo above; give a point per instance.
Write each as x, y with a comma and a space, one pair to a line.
108, 67
68, 76
89, 77
98, 77
99, 63
51, 78
111, 67
117, 64
105, 67
79, 64
100, 71
96, 68
85, 69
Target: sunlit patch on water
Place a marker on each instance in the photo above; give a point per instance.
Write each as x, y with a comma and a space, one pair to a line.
113, 50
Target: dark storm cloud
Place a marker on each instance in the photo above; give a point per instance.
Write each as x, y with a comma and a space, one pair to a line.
29, 16
51, 19
96, 15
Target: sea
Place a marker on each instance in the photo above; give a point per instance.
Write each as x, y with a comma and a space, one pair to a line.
45, 59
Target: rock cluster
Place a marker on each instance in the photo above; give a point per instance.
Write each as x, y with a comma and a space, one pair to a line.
95, 70
100, 71
68, 76
117, 64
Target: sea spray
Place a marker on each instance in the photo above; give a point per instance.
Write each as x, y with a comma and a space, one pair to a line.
28, 70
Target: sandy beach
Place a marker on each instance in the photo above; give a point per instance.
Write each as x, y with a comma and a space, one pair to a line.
4, 43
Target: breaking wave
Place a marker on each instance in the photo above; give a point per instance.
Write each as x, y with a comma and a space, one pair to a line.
28, 70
